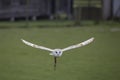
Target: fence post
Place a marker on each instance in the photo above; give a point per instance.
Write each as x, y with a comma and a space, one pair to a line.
77, 15
27, 13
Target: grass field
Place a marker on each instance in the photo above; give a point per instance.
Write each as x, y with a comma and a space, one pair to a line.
98, 61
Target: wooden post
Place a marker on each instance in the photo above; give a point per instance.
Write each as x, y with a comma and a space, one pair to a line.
77, 15
12, 18
27, 13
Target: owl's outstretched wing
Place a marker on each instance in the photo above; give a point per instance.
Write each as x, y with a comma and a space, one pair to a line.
36, 46
79, 44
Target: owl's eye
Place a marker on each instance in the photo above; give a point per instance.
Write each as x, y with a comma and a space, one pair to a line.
56, 52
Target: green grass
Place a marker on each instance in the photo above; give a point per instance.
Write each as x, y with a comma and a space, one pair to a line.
98, 61
40, 23
55, 23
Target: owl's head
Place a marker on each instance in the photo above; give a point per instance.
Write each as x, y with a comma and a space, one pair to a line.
57, 52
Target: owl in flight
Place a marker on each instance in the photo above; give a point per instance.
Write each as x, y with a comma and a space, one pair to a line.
58, 52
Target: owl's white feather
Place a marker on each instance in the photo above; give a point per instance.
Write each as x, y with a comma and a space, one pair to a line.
36, 46
79, 44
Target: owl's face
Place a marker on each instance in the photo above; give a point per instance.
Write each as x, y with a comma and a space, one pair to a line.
57, 52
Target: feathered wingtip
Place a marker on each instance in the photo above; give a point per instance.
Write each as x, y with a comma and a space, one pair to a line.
22, 40
92, 38
87, 41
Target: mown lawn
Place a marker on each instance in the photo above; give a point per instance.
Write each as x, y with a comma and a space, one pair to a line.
98, 61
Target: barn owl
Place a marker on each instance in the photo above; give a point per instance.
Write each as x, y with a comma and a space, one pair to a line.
58, 52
